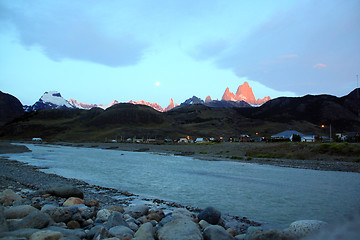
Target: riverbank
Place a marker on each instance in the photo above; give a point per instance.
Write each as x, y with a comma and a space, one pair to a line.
237, 152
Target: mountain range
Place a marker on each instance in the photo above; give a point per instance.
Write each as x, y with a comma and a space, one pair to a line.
305, 114
244, 97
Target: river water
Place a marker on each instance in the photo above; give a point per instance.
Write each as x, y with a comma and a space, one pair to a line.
263, 193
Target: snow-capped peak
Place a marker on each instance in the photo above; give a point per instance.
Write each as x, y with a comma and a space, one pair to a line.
55, 98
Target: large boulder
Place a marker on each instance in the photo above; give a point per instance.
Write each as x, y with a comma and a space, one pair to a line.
65, 191
19, 211
210, 214
155, 214
35, 219
88, 213
180, 229
79, 233
176, 214
25, 233
46, 235
8, 196
305, 227
97, 232
58, 214
103, 214
3, 223
145, 232
137, 211
273, 234
216, 232
121, 232
116, 219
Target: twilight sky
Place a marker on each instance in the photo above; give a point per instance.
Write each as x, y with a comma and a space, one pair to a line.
153, 50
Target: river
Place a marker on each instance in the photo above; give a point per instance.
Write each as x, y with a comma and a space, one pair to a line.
263, 193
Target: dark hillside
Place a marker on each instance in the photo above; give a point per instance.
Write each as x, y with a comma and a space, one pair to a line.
318, 110
10, 108
128, 114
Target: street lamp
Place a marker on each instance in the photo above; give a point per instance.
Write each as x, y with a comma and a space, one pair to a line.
330, 131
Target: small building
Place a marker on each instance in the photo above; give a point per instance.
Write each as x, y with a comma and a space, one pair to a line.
183, 140
199, 140
308, 138
286, 135
37, 140
244, 138
138, 140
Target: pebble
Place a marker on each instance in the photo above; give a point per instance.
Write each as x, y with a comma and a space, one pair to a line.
72, 201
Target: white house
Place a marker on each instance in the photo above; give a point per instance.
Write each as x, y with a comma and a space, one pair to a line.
37, 140
308, 138
183, 140
199, 140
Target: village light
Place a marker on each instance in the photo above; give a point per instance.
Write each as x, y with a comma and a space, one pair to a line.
329, 129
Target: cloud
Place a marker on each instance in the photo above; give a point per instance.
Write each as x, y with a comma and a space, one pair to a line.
320, 65
209, 49
66, 32
311, 32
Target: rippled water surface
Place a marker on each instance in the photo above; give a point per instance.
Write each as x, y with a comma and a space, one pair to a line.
265, 193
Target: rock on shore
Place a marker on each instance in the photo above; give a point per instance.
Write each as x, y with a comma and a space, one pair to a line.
34, 215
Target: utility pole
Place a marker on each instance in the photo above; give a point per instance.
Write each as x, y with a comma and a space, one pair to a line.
330, 133
357, 84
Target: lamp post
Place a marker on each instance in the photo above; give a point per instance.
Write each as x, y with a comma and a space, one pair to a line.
330, 139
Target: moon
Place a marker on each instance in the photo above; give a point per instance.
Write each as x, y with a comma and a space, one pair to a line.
157, 83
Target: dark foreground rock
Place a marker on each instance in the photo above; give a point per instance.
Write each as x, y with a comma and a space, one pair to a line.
35, 215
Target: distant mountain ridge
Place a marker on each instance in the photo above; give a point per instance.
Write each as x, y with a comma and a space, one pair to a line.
244, 97
244, 93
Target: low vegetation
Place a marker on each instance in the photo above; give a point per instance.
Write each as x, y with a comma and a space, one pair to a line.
304, 151
342, 149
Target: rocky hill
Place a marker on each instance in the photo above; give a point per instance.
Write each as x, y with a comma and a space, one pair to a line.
10, 108
243, 93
